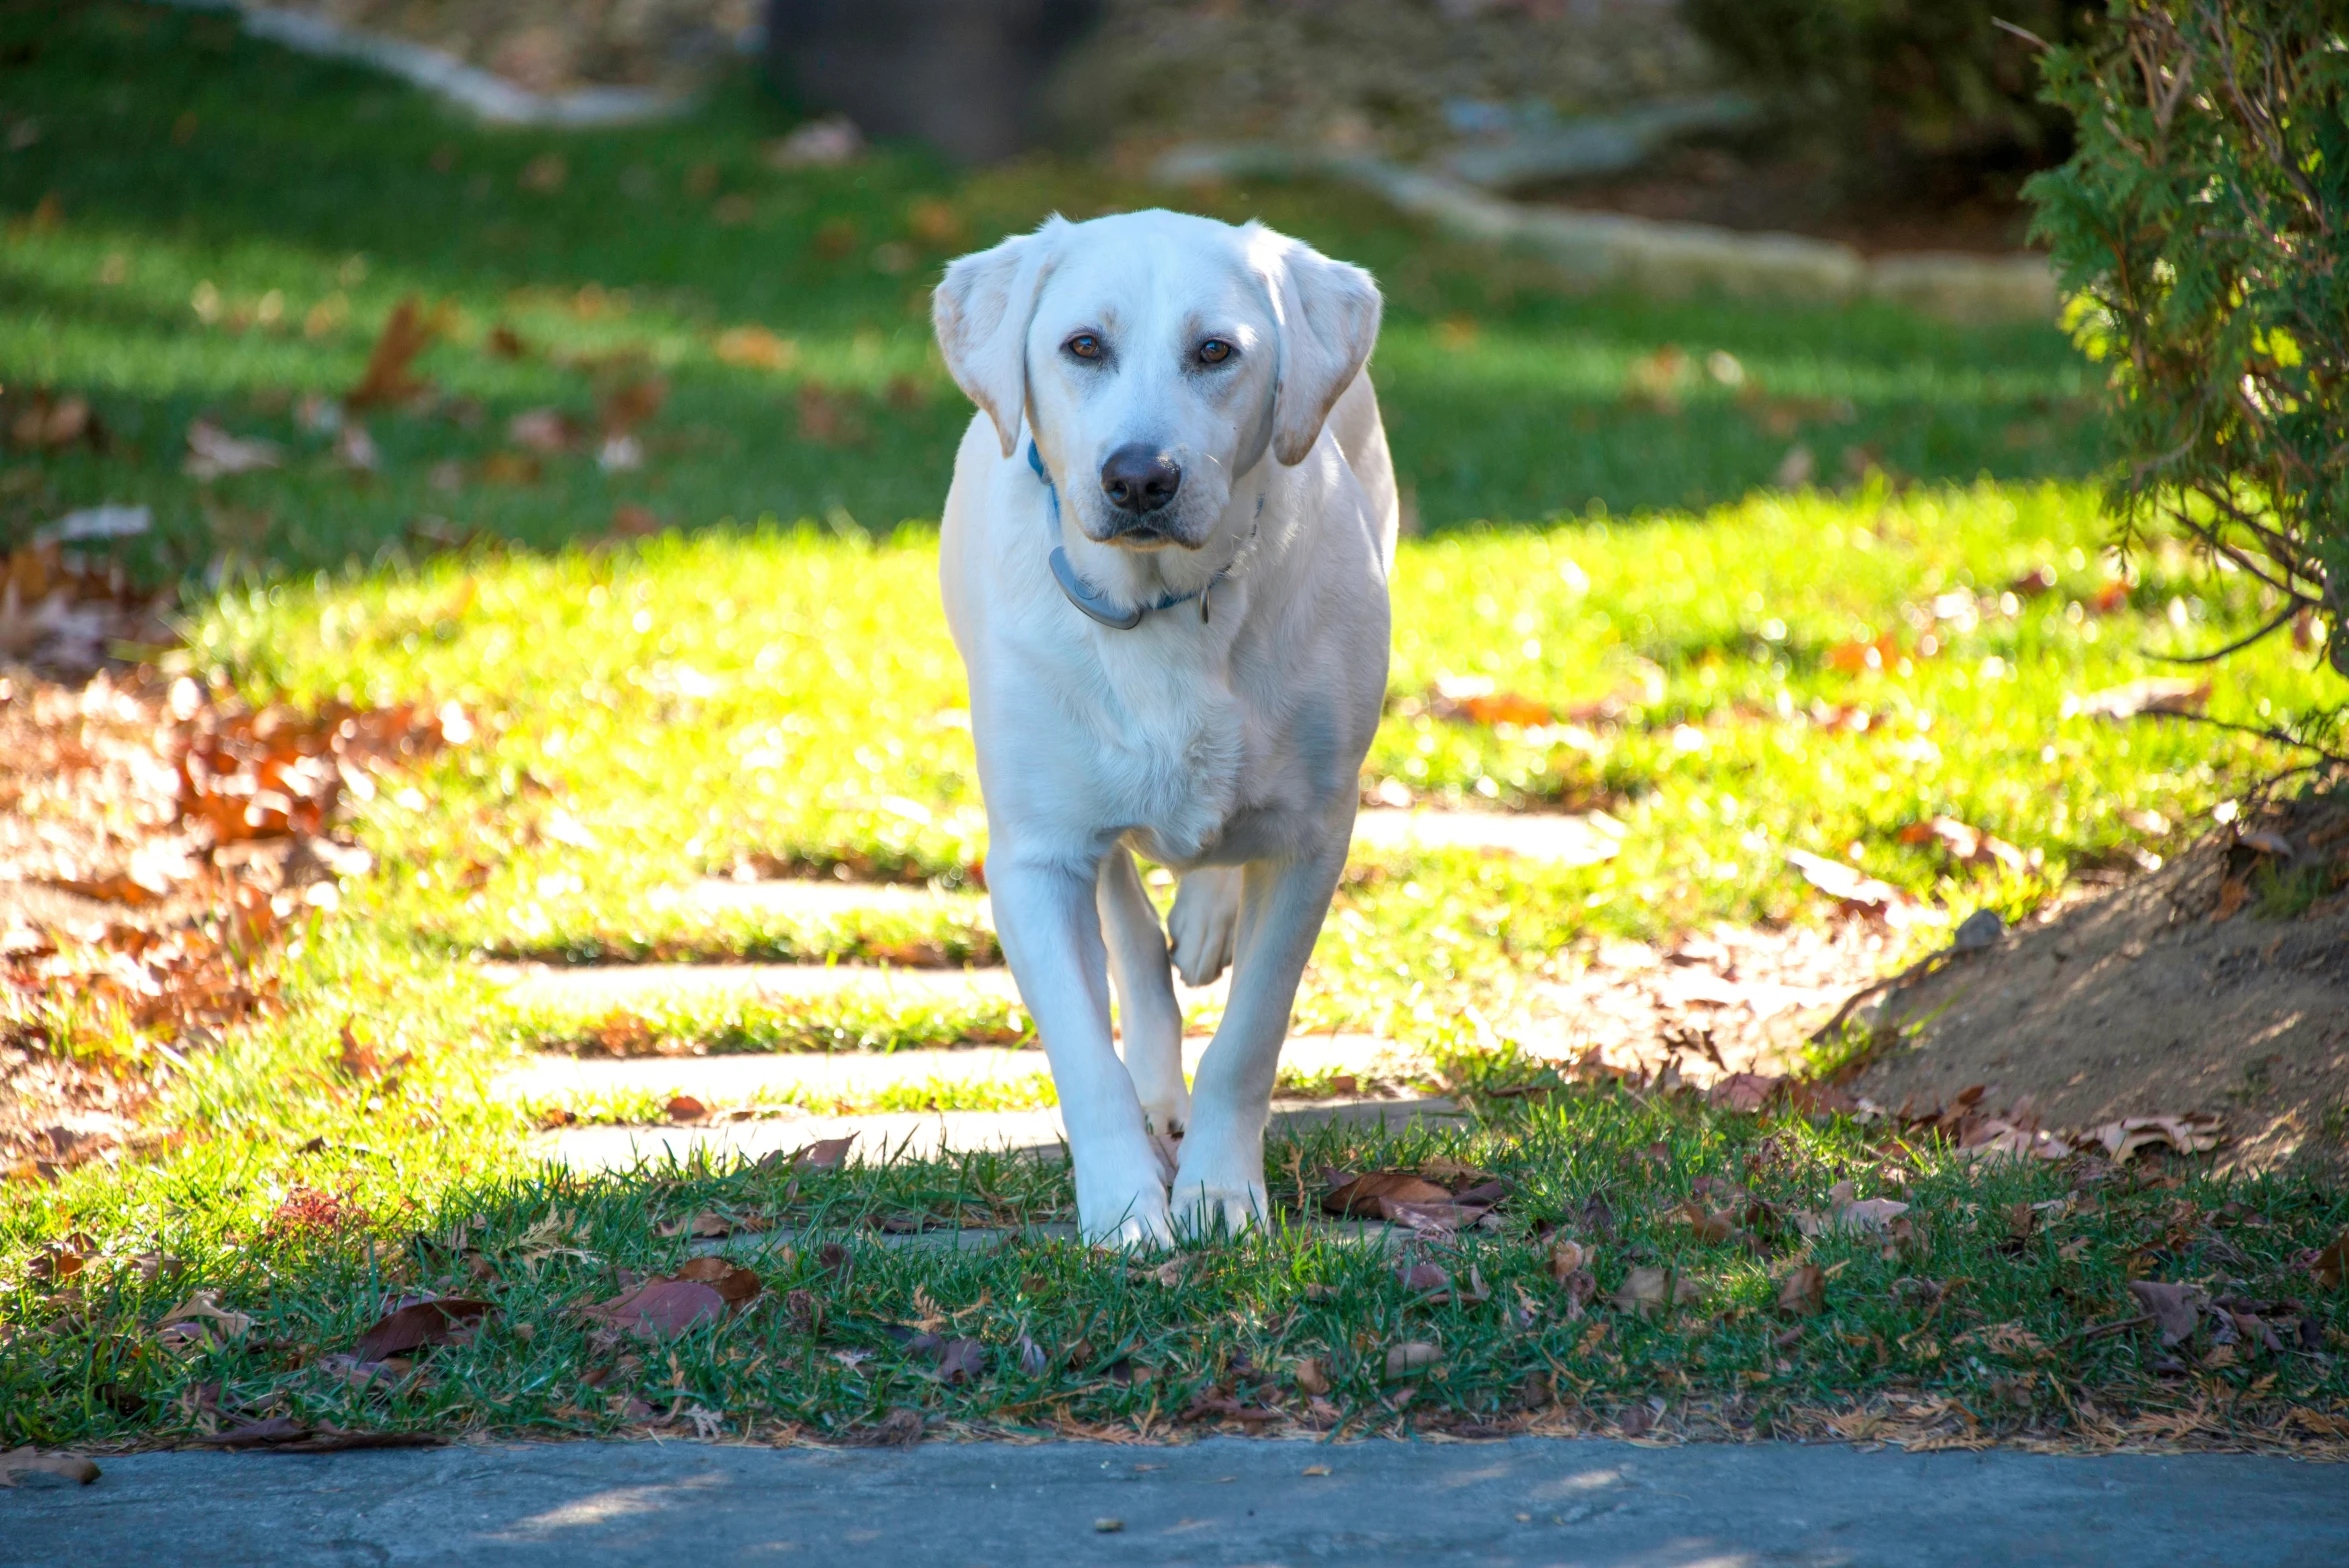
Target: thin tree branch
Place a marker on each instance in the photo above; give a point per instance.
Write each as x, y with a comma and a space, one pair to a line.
2269, 630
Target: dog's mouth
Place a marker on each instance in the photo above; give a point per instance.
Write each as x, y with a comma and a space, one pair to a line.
1148, 537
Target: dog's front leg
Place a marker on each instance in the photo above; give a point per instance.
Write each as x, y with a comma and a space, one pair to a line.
1051, 932
1220, 1178
1149, 1017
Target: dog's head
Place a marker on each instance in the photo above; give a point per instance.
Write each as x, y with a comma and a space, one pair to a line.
1156, 358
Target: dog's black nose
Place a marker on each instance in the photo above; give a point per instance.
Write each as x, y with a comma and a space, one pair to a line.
1140, 478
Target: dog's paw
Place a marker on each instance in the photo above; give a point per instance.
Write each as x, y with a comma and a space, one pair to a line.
1200, 927
1167, 1111
1125, 1208
1203, 1213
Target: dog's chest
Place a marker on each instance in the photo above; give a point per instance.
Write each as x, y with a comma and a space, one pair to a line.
1172, 750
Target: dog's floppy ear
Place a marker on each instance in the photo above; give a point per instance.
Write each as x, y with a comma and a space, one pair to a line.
1328, 315
981, 313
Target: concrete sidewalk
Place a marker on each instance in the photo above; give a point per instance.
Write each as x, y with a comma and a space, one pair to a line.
1222, 1501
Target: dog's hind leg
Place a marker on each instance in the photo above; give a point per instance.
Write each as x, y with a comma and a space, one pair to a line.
1219, 1182
1148, 1015
1206, 913
1047, 915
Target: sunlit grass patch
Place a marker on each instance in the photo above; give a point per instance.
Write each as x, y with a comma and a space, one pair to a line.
2001, 1309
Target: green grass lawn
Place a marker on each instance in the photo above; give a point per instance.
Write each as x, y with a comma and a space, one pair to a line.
1729, 670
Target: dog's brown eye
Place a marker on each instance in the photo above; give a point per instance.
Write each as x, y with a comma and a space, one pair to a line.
1085, 346
1214, 351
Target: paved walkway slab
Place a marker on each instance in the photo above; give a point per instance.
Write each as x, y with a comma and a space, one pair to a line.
604, 987
829, 898
738, 1078
914, 1135
1558, 837
1527, 1503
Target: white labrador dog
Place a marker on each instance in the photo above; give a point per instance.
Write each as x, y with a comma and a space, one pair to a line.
1165, 561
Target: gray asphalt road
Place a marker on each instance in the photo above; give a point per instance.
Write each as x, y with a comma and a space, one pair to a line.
1223, 1501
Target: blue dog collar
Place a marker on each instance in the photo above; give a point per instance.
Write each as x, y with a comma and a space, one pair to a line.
1090, 599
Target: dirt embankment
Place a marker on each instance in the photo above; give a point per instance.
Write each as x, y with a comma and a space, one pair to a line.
2219, 983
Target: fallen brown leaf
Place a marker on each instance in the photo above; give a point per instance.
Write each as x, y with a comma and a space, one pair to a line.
407, 332
1743, 1092
1965, 842
415, 1324
829, 418
204, 1306
1643, 1290
659, 1308
1712, 1227
214, 454
2174, 1307
1803, 1293
284, 1435
1475, 700
1850, 885
733, 1283
961, 1361
2193, 1133
632, 521
1415, 1355
1311, 1376
705, 1223
2155, 695
2330, 1268
549, 431
756, 348
825, 1154
1566, 1256
685, 1108
1370, 1193
76, 1468
1423, 1276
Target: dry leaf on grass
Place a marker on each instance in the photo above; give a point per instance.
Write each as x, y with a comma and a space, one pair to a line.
825, 1154
1966, 842
1412, 1356
1422, 1276
1647, 1289
204, 1307
1474, 699
2330, 1268
47, 422
1311, 1376
733, 1283
1855, 888
961, 1361
214, 454
756, 348
1709, 1226
1368, 1194
1803, 1293
2155, 695
1745, 1092
2193, 1133
284, 1435
685, 1108
659, 1308
417, 1323
545, 430
407, 332
704, 1224
2176, 1308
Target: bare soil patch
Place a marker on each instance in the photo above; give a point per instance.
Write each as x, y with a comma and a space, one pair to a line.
2218, 984
1753, 189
